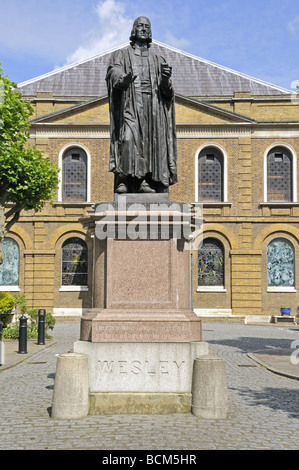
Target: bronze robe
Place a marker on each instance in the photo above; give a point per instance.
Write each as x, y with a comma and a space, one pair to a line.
143, 133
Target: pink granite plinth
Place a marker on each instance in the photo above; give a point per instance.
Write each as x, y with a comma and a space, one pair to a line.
142, 289
141, 326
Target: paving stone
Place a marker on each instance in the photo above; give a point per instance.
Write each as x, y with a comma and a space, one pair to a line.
263, 413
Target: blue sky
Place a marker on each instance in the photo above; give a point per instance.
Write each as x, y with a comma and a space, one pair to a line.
259, 38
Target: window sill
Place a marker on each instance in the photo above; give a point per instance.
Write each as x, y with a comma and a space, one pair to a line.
73, 289
281, 289
73, 203
212, 204
211, 289
9, 289
279, 204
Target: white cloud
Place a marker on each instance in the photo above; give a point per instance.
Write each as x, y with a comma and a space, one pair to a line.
113, 28
293, 25
181, 43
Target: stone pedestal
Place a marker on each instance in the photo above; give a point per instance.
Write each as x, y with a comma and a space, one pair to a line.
142, 337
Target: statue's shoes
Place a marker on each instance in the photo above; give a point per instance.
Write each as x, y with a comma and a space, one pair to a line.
145, 188
121, 188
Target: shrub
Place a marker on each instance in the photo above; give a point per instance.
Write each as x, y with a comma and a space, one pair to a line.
6, 307
11, 332
33, 318
19, 303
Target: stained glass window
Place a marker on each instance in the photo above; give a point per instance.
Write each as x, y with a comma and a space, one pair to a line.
74, 263
210, 175
211, 263
280, 263
74, 175
9, 269
279, 175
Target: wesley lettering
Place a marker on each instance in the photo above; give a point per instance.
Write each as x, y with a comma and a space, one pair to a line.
137, 367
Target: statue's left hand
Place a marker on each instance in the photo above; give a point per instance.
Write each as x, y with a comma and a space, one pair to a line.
166, 71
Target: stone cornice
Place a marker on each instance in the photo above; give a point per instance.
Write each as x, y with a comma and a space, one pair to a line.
202, 130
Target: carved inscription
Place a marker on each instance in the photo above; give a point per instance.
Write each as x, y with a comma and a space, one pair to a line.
137, 367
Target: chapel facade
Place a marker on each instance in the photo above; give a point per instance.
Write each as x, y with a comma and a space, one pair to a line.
237, 147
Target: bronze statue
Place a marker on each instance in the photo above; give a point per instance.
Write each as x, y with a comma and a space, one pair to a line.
142, 118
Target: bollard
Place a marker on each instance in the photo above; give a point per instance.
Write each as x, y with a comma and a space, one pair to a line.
71, 391
23, 335
1, 347
209, 388
41, 326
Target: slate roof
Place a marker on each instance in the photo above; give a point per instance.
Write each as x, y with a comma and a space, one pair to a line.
192, 76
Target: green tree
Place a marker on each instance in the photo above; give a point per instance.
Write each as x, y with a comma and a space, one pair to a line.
27, 179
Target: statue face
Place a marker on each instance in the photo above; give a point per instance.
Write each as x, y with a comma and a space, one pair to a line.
143, 29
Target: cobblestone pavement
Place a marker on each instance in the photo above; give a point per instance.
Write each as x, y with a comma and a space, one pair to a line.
264, 407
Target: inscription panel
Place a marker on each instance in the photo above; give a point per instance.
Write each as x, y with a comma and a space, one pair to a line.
141, 367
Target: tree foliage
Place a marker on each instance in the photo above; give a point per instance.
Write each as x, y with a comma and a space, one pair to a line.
27, 179
6, 307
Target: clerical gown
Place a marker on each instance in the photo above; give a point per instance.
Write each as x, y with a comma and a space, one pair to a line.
142, 118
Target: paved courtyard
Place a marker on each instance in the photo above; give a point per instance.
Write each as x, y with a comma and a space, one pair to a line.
264, 407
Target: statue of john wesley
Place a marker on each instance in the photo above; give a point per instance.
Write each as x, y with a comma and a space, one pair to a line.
142, 118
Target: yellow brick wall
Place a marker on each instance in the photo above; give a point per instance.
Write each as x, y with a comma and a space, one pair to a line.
243, 225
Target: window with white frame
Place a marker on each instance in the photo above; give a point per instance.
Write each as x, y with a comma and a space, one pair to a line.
74, 175
211, 263
279, 175
9, 269
210, 175
280, 263
74, 262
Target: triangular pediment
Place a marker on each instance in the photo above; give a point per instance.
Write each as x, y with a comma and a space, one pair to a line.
193, 111
96, 112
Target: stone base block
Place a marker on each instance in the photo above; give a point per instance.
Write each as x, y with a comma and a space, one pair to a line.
141, 367
109, 325
139, 403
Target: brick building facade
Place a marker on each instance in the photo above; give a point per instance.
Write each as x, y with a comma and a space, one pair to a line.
238, 141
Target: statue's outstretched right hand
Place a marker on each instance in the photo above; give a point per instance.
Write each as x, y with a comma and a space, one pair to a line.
126, 80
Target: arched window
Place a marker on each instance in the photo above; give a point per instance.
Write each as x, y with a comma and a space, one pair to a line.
74, 175
211, 263
280, 263
210, 175
74, 262
9, 269
279, 175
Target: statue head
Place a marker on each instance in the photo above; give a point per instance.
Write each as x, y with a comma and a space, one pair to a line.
142, 20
